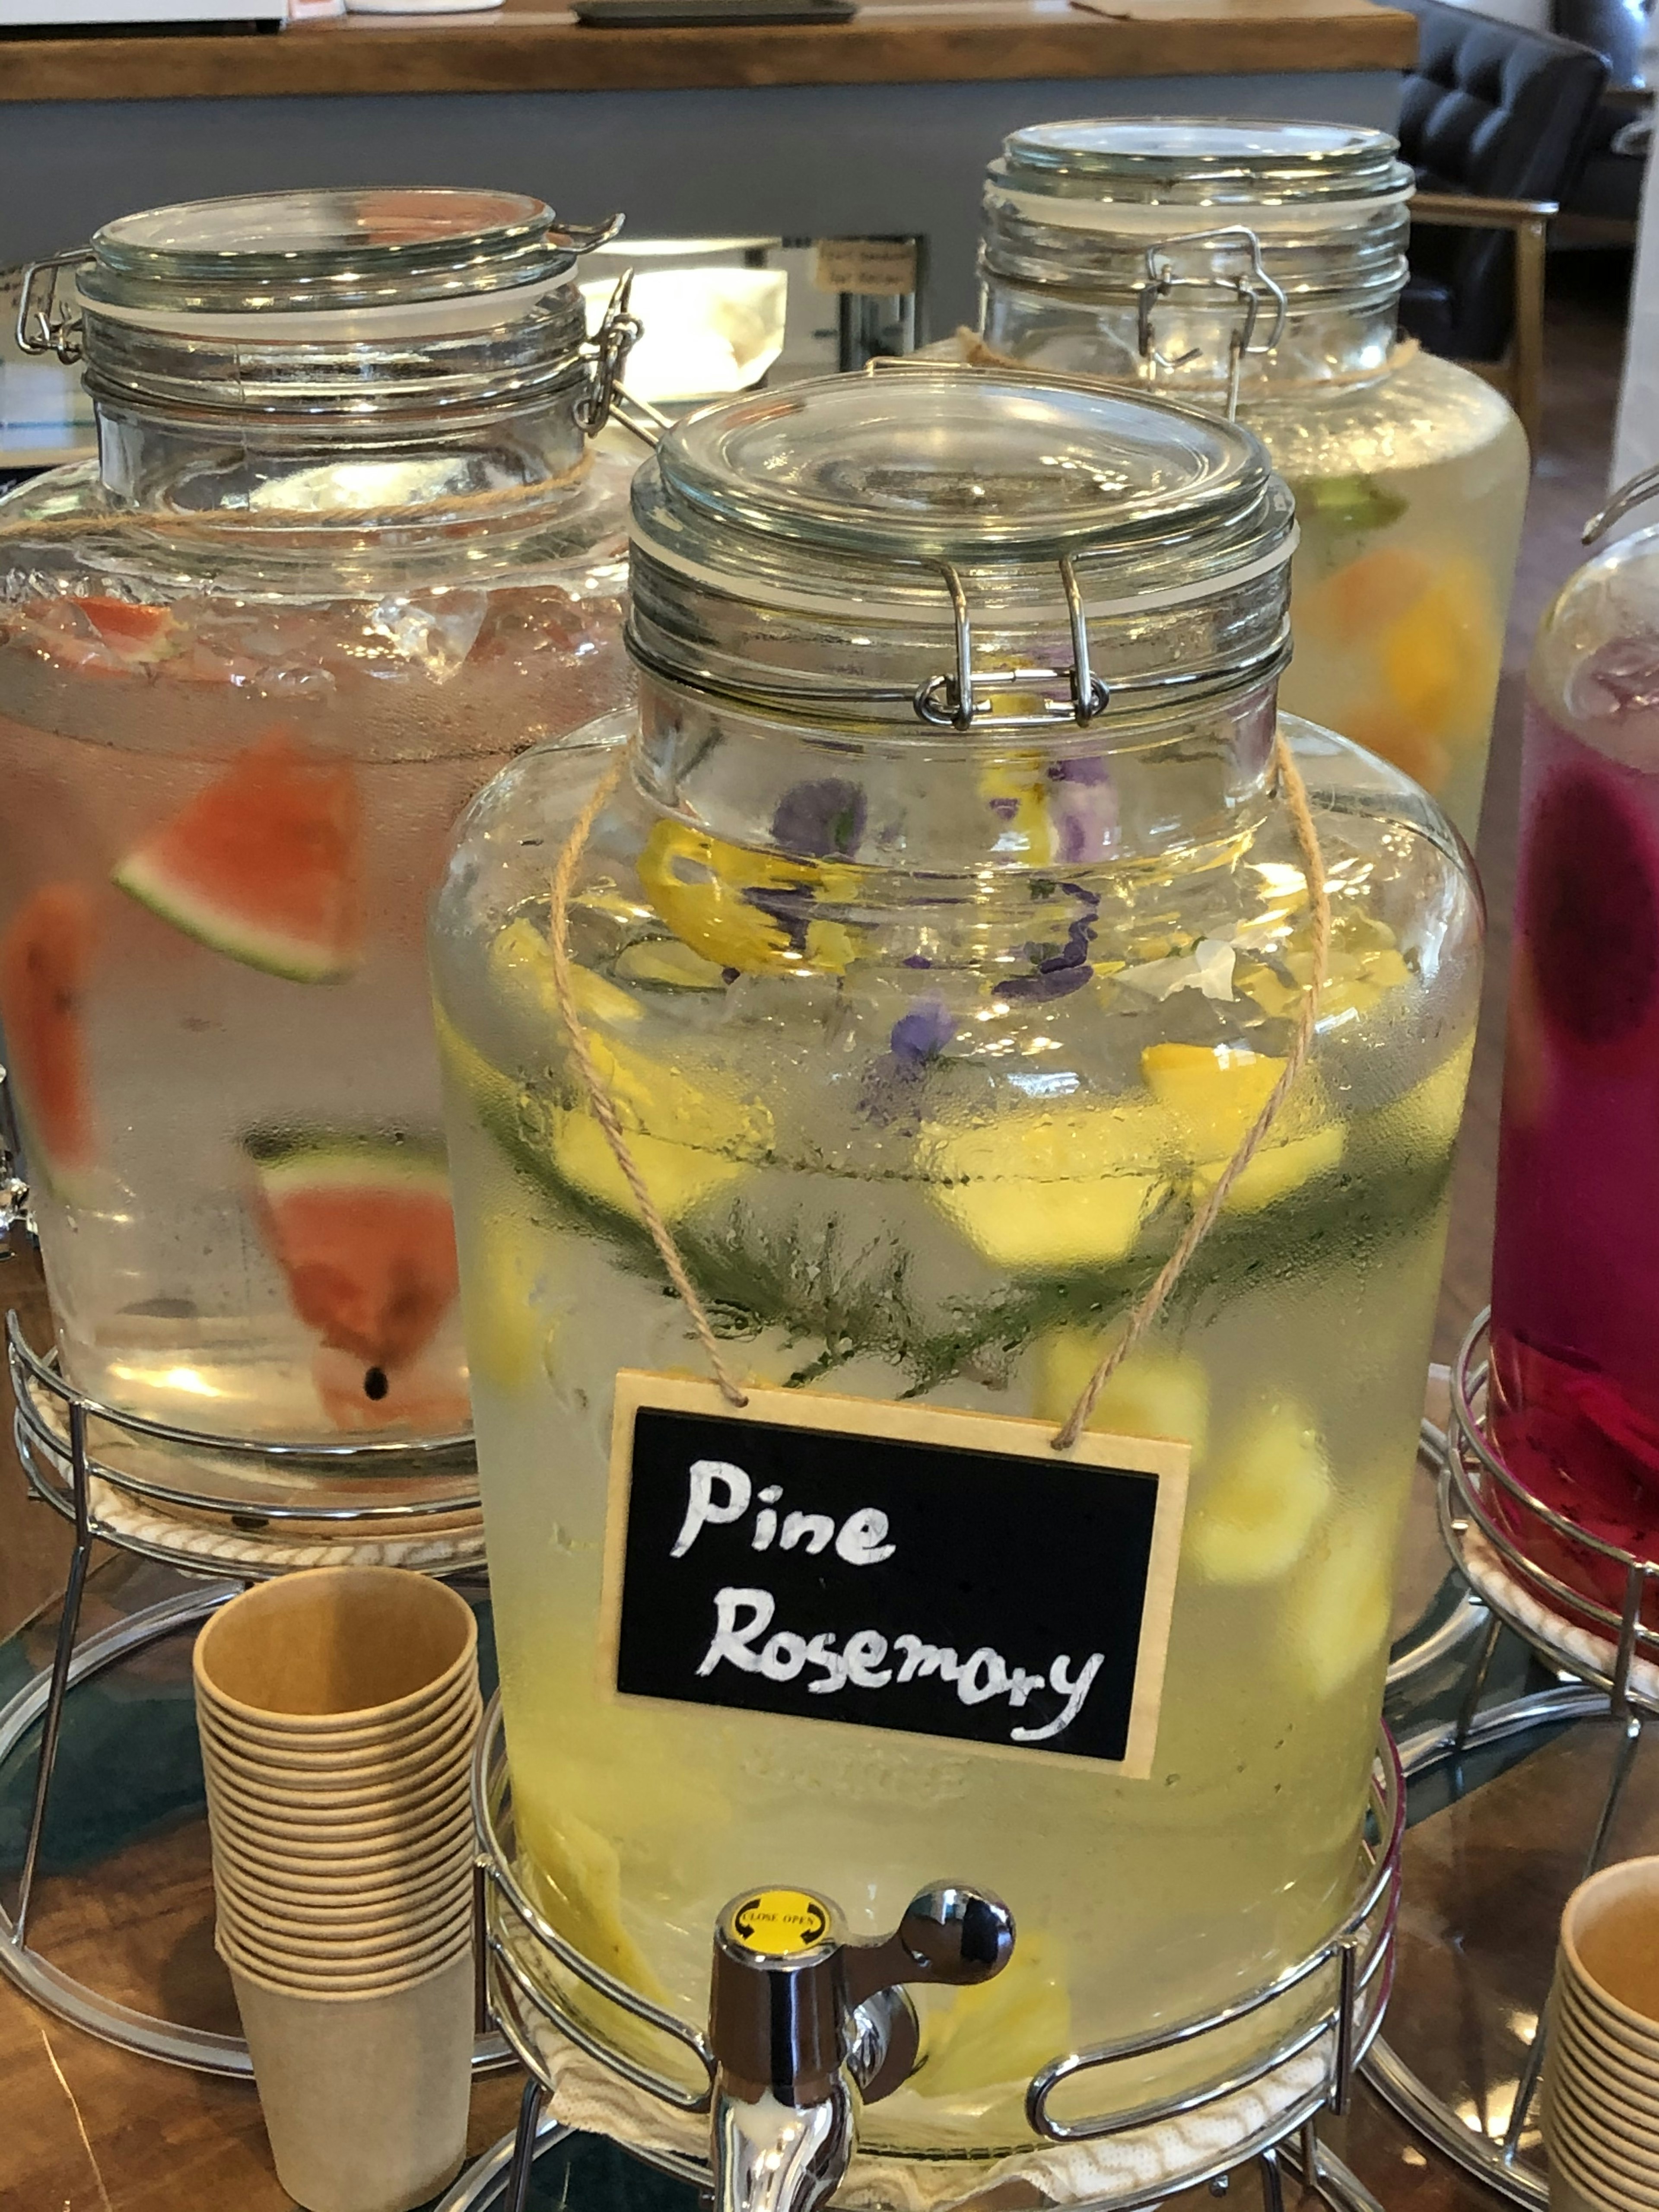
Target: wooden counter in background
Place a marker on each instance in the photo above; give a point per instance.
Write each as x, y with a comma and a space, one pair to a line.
878, 128
525, 48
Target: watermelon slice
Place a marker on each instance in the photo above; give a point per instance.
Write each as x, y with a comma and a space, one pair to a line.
140, 634
264, 864
45, 957
421, 1397
360, 1227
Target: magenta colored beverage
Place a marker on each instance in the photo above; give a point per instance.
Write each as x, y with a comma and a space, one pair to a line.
1576, 1271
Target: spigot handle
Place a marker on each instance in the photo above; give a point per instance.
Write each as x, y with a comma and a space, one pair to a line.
948, 1935
794, 1998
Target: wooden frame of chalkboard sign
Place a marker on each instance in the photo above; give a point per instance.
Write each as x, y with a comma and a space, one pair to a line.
944, 1574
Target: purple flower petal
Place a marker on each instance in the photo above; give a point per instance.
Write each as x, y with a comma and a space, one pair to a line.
820, 821
922, 1034
1055, 981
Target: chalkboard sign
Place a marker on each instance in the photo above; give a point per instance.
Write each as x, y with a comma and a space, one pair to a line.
908, 1567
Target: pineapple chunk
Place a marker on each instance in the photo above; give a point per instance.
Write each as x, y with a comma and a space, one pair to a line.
1063, 1187
1270, 1486
1214, 1093
1153, 1393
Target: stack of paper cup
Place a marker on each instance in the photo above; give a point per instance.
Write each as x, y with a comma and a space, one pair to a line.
1601, 2067
337, 1710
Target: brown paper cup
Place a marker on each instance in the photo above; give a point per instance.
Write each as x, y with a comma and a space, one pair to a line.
306, 1963
308, 1653
445, 1754
292, 1806
1610, 1944
1604, 2093
340, 1977
380, 1751
320, 1884
349, 1908
365, 2098
1564, 2196
348, 1914
376, 1852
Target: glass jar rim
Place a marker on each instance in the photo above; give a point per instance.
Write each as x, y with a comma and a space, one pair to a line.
319, 252
1203, 161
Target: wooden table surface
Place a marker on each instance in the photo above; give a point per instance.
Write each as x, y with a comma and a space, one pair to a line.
525, 47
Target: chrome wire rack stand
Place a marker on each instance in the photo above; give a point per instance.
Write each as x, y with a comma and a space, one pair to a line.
54, 1426
1457, 1614
1611, 1659
1325, 2010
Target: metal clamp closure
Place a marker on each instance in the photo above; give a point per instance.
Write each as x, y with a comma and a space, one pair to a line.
1252, 289
45, 324
950, 700
1639, 488
607, 354
584, 237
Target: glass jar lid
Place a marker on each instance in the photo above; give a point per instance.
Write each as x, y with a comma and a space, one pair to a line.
272, 253
874, 547
927, 464
1193, 161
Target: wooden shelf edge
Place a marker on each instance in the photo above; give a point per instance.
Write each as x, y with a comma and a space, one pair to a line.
468, 55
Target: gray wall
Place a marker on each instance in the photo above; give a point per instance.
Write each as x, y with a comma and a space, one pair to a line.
810, 161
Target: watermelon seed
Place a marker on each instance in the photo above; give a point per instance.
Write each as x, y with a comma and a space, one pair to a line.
375, 1385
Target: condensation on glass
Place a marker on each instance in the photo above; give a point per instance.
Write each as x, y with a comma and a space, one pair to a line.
344, 551
1187, 256
938, 944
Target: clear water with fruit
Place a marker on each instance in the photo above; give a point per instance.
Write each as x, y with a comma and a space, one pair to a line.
929, 1030
253, 663
1410, 473
1410, 494
904, 1175
238, 1171
1575, 1287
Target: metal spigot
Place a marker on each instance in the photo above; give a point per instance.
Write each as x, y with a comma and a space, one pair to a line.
802, 2016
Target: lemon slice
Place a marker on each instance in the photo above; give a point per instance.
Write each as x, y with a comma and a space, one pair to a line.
1213, 1093
702, 888
1065, 1186
1269, 1486
1153, 1394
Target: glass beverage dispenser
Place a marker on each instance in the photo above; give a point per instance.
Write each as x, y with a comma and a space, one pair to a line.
1204, 258
1575, 1281
938, 929
343, 552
